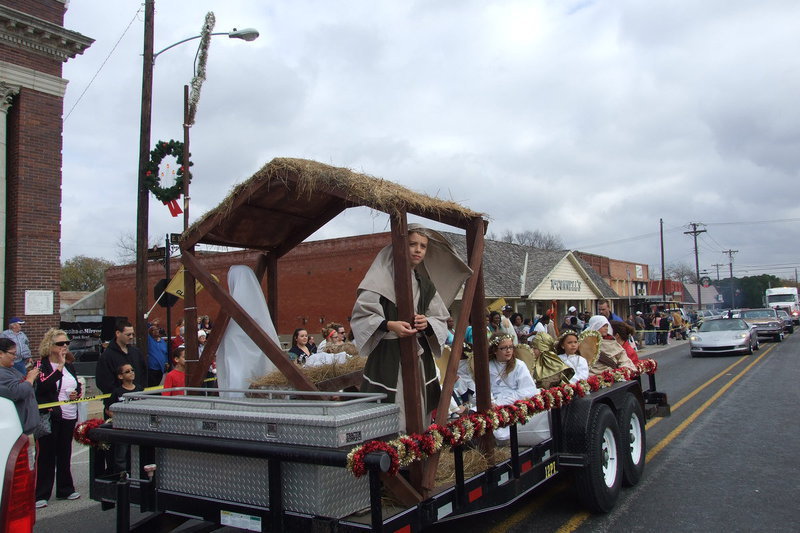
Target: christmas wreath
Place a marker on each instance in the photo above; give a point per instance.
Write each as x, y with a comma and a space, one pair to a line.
152, 170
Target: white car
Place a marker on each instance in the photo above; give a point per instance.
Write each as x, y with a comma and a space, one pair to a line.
18, 472
723, 336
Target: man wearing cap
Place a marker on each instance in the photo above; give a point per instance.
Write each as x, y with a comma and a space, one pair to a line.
15, 333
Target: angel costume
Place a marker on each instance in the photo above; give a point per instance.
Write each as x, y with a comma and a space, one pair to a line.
578, 364
239, 360
376, 304
517, 385
549, 370
612, 355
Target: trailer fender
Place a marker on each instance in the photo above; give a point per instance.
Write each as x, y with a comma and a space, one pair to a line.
575, 418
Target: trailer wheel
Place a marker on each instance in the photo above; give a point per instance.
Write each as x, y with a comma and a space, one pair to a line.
599, 482
632, 440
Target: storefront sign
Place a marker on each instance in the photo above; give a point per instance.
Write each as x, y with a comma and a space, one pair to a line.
565, 285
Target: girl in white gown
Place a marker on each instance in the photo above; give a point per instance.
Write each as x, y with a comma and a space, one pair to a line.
511, 382
567, 350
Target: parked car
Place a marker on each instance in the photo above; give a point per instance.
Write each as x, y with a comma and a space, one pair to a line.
723, 336
18, 472
788, 321
767, 322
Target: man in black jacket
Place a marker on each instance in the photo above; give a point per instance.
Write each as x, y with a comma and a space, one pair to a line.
119, 352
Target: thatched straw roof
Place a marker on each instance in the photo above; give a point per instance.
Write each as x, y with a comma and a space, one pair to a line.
289, 199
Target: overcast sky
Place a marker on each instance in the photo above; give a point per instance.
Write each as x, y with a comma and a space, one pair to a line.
590, 120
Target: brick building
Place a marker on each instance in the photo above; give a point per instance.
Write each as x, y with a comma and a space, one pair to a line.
33, 47
317, 282
628, 279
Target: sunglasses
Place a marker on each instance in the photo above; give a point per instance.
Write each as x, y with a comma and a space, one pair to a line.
127, 371
61, 343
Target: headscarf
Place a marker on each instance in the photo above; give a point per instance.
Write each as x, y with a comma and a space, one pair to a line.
597, 322
442, 265
549, 370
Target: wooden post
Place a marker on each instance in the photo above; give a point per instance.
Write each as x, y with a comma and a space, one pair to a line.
409, 361
248, 325
480, 344
475, 262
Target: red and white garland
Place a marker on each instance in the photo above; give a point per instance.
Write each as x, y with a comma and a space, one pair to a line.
406, 449
81, 433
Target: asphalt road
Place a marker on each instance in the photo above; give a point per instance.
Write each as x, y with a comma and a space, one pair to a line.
726, 460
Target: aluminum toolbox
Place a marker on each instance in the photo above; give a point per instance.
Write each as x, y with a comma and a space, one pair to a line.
306, 422
312, 489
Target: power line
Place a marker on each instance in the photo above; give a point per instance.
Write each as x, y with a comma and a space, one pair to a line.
103, 64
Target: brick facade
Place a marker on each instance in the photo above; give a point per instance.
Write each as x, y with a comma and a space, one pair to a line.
317, 282
34, 39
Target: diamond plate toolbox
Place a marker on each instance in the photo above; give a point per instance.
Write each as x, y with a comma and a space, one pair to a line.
311, 423
307, 488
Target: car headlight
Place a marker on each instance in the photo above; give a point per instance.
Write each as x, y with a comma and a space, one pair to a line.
774, 324
742, 335
695, 338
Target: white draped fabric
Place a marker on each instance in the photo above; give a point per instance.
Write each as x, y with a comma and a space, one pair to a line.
239, 360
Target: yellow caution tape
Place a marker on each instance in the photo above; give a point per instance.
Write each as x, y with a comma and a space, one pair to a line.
99, 397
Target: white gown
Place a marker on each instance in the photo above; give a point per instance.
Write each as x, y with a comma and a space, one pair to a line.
579, 364
517, 385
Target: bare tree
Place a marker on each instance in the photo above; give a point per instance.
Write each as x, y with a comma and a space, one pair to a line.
681, 272
535, 238
126, 247
539, 239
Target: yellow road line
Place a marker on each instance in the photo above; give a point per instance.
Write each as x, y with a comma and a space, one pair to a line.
579, 518
694, 393
683, 425
576, 521
518, 517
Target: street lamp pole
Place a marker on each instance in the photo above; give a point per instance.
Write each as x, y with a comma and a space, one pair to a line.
142, 203
142, 198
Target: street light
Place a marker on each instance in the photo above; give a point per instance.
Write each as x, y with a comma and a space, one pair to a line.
246, 34
142, 203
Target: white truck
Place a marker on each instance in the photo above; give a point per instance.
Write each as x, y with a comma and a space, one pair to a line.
784, 298
18, 473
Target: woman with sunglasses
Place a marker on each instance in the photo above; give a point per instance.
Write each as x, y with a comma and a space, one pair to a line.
57, 382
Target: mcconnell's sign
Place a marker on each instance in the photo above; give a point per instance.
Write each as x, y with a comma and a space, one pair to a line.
565, 285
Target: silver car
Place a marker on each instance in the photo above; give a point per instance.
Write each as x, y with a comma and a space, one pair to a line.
788, 322
723, 336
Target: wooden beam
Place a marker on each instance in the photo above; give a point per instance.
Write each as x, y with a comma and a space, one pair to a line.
467, 299
401, 490
409, 361
480, 344
250, 327
190, 322
351, 379
301, 234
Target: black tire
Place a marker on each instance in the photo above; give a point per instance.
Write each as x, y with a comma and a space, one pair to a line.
749, 347
758, 344
791, 330
632, 440
778, 337
599, 482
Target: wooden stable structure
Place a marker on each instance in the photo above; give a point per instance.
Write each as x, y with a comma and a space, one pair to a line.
283, 204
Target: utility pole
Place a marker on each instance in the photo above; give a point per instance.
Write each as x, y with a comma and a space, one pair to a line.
730, 264
142, 199
717, 265
694, 233
663, 272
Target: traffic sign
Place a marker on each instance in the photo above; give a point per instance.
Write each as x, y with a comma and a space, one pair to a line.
156, 253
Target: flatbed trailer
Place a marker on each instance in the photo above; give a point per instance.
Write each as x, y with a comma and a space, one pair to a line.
601, 435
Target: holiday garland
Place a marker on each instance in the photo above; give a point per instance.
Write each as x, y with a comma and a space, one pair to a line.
406, 449
81, 433
151, 179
